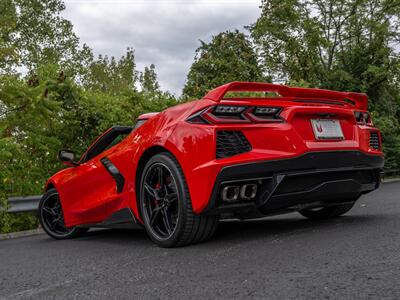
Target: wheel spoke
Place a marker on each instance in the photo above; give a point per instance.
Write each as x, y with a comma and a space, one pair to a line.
53, 224
154, 215
171, 197
61, 223
151, 191
161, 177
48, 210
166, 220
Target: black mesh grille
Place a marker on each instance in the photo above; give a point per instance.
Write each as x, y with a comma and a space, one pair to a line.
374, 141
230, 143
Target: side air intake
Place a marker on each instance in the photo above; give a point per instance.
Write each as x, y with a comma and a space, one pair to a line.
230, 143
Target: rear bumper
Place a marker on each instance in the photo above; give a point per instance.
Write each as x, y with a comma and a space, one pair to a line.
307, 179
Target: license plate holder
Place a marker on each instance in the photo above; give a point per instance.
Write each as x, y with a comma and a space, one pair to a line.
327, 129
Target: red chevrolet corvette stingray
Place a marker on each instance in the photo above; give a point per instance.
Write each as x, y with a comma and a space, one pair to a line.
245, 150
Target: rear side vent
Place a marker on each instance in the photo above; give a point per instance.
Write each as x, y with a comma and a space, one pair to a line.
374, 141
230, 143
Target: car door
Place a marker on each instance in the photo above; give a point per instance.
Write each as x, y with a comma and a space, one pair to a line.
92, 182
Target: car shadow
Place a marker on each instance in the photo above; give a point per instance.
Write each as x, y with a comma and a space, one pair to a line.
136, 235
282, 226
236, 230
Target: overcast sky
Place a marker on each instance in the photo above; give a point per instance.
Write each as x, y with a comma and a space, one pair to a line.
163, 32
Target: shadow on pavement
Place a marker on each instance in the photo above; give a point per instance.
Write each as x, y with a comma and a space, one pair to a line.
247, 230
234, 230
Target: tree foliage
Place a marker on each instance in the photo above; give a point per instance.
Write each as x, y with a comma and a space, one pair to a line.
34, 33
7, 27
148, 80
112, 76
230, 56
341, 45
321, 42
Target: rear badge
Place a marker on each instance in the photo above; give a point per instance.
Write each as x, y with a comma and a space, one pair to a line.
327, 129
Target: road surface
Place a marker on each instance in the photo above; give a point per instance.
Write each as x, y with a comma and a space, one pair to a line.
287, 257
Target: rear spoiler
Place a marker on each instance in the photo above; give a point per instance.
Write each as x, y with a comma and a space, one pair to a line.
358, 100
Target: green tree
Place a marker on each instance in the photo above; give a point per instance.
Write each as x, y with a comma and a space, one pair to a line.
228, 57
341, 45
148, 80
33, 32
7, 27
112, 76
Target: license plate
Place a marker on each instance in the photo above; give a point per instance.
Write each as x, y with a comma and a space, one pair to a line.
327, 129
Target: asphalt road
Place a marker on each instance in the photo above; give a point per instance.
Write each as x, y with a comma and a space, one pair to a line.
288, 257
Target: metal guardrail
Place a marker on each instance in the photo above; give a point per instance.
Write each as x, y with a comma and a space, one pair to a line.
391, 173
23, 204
31, 203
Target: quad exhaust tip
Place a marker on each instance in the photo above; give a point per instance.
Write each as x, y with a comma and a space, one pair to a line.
248, 191
231, 193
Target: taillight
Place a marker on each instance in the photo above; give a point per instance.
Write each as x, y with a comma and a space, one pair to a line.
237, 114
226, 114
266, 111
363, 118
228, 110
265, 114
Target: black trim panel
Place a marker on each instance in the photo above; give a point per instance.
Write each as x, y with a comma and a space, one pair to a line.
115, 173
122, 216
120, 219
310, 163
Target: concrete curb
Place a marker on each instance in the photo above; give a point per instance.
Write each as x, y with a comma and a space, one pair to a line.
18, 234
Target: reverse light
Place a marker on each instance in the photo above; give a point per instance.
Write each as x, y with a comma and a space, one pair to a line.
363, 118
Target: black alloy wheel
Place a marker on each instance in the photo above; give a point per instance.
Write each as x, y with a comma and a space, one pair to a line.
51, 217
166, 207
160, 199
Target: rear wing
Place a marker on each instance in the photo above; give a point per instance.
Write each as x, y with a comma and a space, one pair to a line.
358, 100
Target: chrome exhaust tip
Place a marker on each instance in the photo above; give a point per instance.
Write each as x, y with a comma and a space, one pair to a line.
248, 191
230, 193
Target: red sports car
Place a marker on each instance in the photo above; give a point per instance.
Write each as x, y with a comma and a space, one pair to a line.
245, 150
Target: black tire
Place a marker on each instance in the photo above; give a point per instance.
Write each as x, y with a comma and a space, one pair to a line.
51, 218
327, 212
168, 201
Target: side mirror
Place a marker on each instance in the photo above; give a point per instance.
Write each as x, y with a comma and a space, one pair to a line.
67, 157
